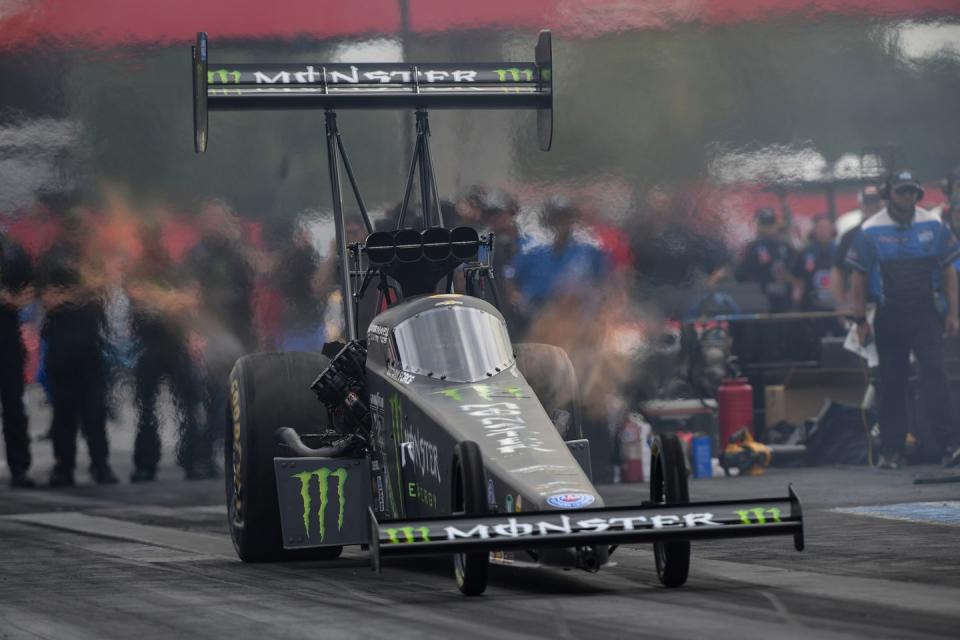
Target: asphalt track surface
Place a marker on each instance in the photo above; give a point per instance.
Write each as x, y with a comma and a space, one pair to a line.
155, 561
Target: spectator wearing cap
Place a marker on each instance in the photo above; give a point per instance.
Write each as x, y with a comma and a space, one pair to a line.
766, 260
811, 268
904, 257
870, 204
566, 265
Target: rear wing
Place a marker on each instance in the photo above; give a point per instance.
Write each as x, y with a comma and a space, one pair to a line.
316, 85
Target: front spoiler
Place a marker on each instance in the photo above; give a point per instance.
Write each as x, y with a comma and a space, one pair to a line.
585, 527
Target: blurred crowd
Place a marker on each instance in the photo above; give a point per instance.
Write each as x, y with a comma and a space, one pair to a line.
97, 302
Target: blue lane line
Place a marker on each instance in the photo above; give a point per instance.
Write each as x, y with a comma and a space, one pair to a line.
946, 512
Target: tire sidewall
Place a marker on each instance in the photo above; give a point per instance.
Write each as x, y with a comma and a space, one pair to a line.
265, 394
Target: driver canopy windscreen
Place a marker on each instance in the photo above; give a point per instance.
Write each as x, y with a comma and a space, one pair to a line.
460, 344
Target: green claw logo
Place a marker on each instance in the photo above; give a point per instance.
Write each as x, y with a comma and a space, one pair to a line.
409, 534
759, 515
223, 75
323, 480
514, 74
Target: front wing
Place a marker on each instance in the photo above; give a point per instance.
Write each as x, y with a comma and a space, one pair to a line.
585, 527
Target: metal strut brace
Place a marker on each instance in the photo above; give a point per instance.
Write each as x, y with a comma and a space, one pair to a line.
333, 163
422, 160
428, 158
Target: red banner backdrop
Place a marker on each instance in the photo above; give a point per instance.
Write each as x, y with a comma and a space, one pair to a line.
104, 23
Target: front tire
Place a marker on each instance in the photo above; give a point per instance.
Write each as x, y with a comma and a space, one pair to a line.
668, 485
267, 391
469, 498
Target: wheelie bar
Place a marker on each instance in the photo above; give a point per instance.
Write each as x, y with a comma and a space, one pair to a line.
583, 527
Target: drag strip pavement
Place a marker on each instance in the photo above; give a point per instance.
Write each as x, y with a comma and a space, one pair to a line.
80, 575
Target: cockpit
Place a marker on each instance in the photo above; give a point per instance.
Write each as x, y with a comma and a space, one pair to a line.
452, 342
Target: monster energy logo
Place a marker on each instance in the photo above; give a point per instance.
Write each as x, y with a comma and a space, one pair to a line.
514, 74
223, 76
759, 515
323, 480
409, 534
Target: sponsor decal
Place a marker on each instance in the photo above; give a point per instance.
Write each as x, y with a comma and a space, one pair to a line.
571, 500
447, 303
400, 376
323, 488
424, 496
396, 423
407, 535
378, 436
422, 454
491, 493
237, 447
349, 74
759, 515
513, 528
377, 333
381, 506
485, 391
223, 76
514, 74
503, 421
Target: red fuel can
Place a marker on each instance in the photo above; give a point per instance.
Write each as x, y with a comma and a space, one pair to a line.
735, 403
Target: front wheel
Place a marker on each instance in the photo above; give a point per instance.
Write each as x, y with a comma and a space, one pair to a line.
668, 485
469, 498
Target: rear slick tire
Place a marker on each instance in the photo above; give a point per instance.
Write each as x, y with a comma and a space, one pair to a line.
267, 391
549, 372
469, 498
668, 485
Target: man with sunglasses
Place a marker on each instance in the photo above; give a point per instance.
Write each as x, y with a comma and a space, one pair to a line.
904, 257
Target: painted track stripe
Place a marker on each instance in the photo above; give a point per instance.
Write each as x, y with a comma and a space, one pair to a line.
942, 513
201, 543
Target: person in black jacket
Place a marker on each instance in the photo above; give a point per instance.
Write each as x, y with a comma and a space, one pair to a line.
16, 275
766, 261
221, 267
811, 269
160, 308
76, 365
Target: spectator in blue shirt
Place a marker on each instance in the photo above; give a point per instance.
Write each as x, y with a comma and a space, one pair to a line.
904, 256
564, 266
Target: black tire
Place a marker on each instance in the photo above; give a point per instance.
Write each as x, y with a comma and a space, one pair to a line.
550, 373
267, 391
470, 498
668, 485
